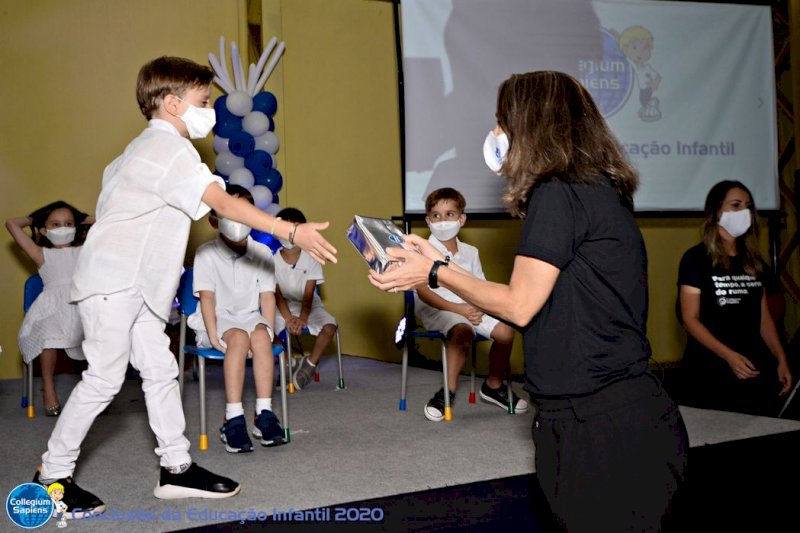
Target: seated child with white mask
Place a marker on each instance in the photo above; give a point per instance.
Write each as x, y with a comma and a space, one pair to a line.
441, 310
234, 278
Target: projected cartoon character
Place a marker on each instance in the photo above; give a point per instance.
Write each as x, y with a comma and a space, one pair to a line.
56, 492
636, 43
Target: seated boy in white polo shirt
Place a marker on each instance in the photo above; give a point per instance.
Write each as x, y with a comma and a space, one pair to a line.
234, 277
299, 305
441, 310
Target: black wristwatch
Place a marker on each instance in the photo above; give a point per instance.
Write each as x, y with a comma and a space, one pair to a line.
433, 275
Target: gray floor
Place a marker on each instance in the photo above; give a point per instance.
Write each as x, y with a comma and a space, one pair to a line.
346, 446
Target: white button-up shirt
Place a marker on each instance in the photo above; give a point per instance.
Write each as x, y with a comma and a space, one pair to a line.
150, 195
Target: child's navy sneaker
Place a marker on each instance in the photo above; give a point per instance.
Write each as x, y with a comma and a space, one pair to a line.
195, 482
80, 503
234, 434
268, 429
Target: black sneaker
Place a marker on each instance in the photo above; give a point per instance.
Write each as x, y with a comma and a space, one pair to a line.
234, 434
196, 482
80, 503
434, 411
499, 397
268, 428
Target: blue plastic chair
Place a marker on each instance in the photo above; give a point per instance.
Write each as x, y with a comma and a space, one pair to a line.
188, 304
410, 332
32, 289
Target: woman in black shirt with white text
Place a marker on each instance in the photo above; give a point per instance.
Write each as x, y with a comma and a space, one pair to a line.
734, 359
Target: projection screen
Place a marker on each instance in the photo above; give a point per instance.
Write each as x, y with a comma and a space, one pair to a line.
688, 88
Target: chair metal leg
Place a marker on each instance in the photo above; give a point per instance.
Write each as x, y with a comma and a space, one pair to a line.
339, 358
448, 412
510, 392
284, 396
181, 353
472, 374
404, 378
289, 362
789, 399
30, 411
203, 445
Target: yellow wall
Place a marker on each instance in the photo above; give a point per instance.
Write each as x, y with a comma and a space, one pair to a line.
69, 105
68, 91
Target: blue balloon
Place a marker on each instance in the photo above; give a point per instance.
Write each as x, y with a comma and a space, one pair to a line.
266, 103
273, 181
259, 163
271, 123
228, 126
241, 144
220, 109
267, 239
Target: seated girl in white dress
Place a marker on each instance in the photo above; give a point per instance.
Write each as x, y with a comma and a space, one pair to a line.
51, 323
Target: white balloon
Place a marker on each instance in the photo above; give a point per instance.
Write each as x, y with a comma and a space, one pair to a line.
273, 209
267, 142
221, 144
226, 163
262, 196
239, 103
255, 123
243, 177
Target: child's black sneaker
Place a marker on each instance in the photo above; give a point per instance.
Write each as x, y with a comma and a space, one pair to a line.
499, 397
195, 482
234, 434
268, 428
434, 411
80, 503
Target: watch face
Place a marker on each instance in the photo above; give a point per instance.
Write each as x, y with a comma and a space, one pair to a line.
400, 333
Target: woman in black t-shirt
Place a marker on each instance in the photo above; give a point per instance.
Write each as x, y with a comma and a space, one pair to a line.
610, 443
734, 359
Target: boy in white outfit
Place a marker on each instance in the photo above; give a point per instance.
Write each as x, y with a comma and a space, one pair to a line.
299, 304
234, 277
127, 276
441, 310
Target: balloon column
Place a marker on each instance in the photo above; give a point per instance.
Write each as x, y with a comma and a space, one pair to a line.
244, 136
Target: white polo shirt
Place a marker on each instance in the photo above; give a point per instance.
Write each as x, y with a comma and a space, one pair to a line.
150, 195
466, 257
237, 281
292, 278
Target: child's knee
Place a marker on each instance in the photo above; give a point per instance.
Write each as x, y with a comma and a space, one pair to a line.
503, 334
461, 334
329, 329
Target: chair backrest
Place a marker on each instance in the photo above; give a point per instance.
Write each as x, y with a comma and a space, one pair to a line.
33, 287
186, 298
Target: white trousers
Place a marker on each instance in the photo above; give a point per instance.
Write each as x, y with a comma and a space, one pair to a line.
119, 328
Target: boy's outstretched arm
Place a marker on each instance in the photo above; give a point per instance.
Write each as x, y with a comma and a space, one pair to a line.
307, 236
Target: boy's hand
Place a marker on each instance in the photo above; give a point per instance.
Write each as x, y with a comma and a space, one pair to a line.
308, 238
295, 325
473, 314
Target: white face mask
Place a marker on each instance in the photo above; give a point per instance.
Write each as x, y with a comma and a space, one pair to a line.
286, 244
59, 236
235, 231
199, 121
495, 148
444, 231
736, 222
